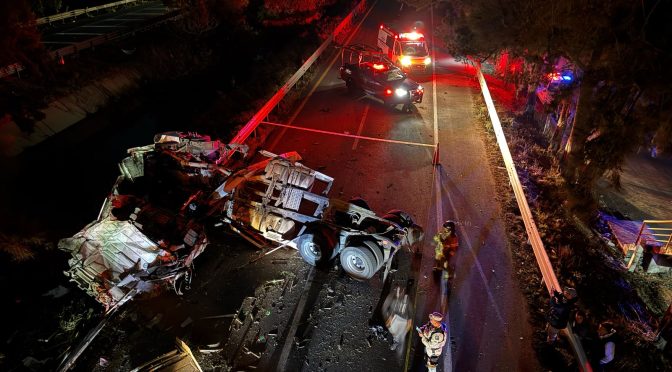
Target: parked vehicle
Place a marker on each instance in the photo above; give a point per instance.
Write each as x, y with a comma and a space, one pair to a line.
367, 70
407, 50
153, 224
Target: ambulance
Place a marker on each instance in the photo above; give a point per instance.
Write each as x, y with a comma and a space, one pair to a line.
408, 50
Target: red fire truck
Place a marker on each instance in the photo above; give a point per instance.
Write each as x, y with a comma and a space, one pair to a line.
408, 50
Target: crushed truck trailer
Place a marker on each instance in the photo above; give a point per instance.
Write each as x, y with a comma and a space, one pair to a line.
153, 224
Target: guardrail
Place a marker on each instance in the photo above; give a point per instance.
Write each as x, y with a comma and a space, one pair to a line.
544, 263
78, 12
261, 115
74, 48
658, 231
90, 43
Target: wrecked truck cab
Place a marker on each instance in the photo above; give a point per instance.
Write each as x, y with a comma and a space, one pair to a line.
113, 259
286, 202
152, 226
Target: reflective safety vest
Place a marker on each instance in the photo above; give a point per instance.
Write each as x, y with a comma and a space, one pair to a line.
446, 244
434, 338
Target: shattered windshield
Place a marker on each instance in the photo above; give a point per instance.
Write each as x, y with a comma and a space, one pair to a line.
390, 75
414, 48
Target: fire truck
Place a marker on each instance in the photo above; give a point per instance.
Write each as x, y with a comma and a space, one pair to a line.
407, 50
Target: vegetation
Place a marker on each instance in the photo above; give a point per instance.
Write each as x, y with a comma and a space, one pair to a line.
621, 51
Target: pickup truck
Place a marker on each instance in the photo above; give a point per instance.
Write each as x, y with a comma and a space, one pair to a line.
366, 69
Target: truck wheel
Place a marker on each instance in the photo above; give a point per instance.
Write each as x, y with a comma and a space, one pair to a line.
359, 262
314, 248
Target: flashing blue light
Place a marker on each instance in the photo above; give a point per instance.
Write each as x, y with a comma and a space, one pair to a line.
566, 78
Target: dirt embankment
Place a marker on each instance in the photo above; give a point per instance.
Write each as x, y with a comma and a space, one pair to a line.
580, 256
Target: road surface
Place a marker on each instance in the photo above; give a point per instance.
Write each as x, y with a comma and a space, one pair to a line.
291, 316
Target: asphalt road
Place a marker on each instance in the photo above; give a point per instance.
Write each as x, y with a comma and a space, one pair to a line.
314, 320
486, 311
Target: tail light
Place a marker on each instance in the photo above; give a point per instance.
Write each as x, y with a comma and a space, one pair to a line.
388, 92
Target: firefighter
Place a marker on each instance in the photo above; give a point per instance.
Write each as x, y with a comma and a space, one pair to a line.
434, 335
446, 246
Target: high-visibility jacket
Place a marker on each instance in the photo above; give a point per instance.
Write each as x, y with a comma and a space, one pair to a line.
446, 245
434, 338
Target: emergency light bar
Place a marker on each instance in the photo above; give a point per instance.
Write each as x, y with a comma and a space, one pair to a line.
412, 36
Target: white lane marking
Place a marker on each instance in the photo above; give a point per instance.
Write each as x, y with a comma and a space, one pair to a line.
286, 126
319, 81
361, 126
448, 358
77, 33
478, 264
100, 26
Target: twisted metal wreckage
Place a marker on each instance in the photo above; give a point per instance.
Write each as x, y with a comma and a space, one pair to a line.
153, 224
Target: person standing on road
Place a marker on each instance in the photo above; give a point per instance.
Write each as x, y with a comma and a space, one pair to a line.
446, 247
560, 309
607, 335
434, 335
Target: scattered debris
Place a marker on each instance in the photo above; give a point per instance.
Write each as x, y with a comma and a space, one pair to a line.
186, 322
181, 359
103, 362
57, 292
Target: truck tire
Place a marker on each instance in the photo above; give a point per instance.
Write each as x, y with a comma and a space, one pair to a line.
359, 262
314, 248
377, 251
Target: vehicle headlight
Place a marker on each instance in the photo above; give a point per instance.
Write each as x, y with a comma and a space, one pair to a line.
400, 92
405, 60
428, 60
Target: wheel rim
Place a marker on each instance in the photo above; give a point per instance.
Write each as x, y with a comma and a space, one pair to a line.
357, 263
314, 249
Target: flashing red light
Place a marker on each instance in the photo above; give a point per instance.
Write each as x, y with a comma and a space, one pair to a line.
378, 66
388, 92
381, 27
554, 76
412, 36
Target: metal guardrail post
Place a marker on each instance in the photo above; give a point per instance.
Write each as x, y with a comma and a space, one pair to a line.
544, 263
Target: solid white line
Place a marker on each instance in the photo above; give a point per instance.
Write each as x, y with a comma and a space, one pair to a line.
347, 135
77, 33
448, 350
100, 26
477, 262
361, 126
